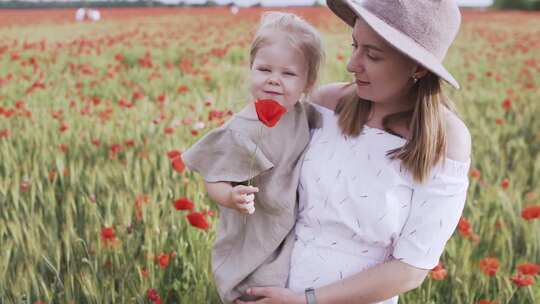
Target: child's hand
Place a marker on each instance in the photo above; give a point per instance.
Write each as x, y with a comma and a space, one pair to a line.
242, 198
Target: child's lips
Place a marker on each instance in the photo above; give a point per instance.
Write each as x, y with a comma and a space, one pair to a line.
273, 93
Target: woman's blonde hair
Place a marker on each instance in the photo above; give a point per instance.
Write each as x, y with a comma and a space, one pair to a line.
427, 143
299, 33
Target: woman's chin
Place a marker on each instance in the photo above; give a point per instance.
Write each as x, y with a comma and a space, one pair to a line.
362, 93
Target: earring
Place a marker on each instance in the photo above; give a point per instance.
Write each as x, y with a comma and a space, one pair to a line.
414, 78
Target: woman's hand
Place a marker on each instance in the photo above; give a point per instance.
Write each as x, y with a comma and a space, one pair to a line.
242, 198
274, 295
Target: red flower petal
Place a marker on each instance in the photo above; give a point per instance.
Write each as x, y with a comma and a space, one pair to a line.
173, 154
531, 212
108, 234
183, 204
522, 280
197, 219
269, 111
178, 165
153, 295
529, 268
163, 260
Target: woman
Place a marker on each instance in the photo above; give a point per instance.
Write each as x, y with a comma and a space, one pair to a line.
384, 181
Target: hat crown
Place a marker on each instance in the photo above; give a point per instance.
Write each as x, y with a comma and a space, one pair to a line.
433, 24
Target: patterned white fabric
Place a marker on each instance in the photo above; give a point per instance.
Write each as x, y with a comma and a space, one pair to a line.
358, 208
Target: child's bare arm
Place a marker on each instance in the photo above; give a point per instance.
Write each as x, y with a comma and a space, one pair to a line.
239, 197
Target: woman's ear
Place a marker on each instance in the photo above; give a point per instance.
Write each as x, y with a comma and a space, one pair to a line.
419, 72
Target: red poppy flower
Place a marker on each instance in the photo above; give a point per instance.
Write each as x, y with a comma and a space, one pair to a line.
464, 227
129, 143
153, 296
522, 280
162, 98
173, 154
168, 130
5, 133
531, 212
119, 57
108, 234
96, 100
197, 219
487, 302
178, 165
115, 149
489, 266
505, 183
439, 272
475, 173
529, 268
96, 142
25, 185
507, 104
269, 111
19, 104
182, 89
137, 95
144, 272
183, 204
163, 260
64, 148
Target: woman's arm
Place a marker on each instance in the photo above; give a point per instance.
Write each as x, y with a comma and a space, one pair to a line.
328, 95
239, 197
376, 284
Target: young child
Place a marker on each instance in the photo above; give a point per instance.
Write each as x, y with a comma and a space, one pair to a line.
255, 233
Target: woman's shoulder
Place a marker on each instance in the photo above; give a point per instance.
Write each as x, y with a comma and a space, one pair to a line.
328, 95
458, 138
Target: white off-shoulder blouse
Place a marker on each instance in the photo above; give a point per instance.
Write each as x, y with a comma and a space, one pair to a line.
358, 208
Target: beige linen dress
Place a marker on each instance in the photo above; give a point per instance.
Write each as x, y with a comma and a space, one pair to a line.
255, 250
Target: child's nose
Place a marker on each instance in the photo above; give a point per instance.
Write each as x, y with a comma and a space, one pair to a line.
272, 80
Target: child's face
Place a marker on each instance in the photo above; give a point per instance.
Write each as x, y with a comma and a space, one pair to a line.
279, 72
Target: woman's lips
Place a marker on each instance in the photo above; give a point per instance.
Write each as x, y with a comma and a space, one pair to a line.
362, 83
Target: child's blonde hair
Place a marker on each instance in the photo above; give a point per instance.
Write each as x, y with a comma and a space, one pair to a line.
299, 33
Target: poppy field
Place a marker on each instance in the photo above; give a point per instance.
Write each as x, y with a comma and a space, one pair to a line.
96, 205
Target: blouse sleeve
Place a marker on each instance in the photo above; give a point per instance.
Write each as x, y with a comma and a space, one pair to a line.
225, 155
436, 207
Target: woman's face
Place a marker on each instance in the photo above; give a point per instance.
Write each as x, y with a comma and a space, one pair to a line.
382, 73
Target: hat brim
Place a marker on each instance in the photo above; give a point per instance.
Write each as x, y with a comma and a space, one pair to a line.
348, 11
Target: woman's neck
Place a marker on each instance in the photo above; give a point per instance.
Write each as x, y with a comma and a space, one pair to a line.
381, 110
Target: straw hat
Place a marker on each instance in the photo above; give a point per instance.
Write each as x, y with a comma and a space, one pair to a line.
421, 29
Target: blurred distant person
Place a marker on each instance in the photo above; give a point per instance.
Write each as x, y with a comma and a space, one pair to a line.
93, 14
80, 14
83, 14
